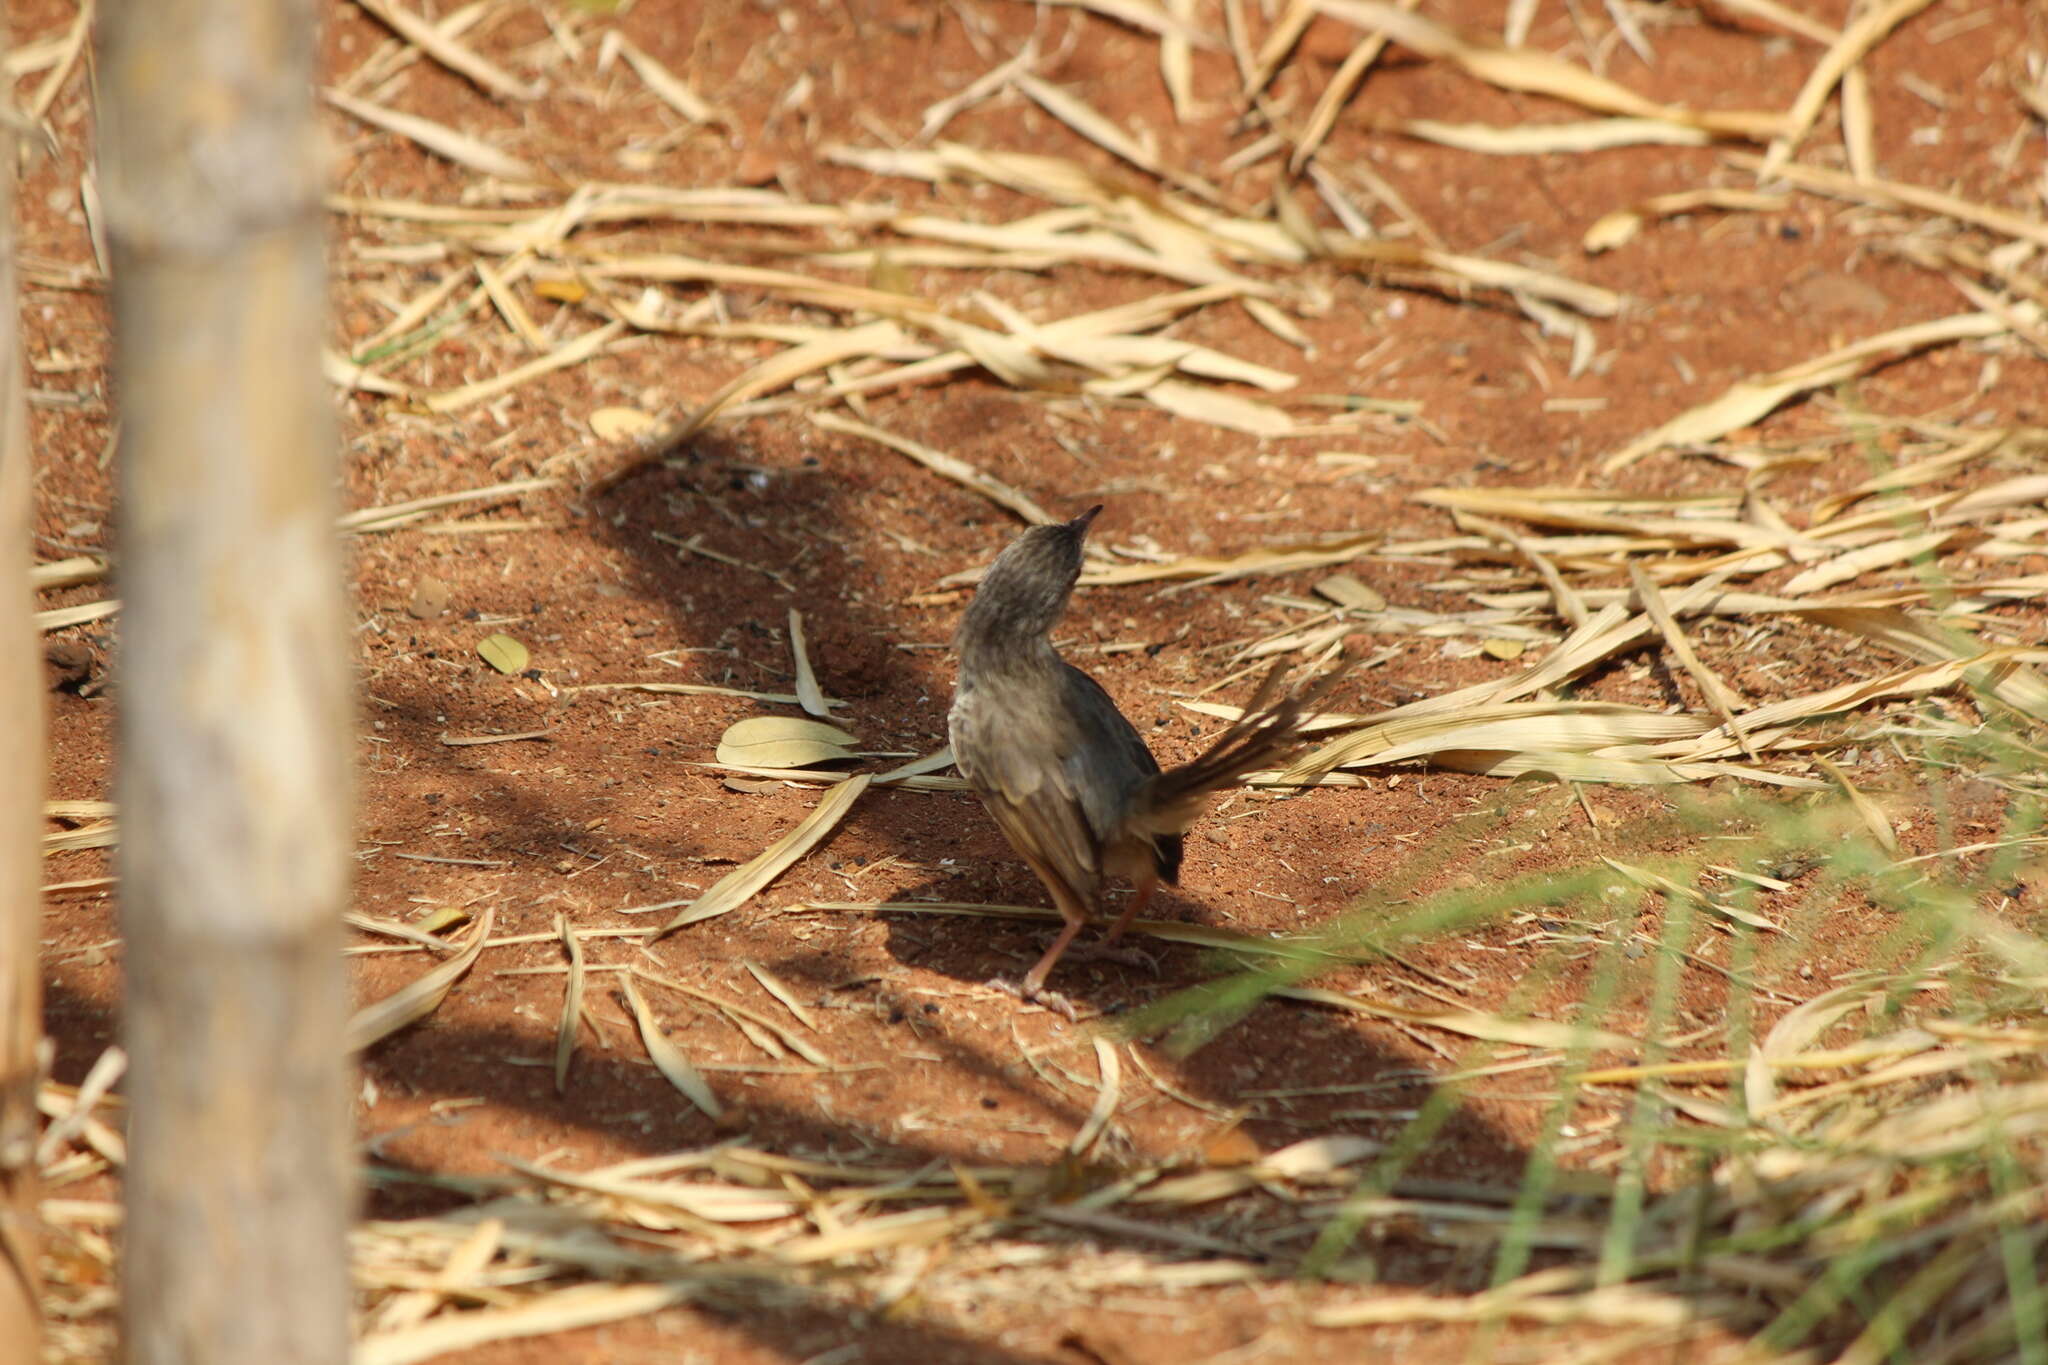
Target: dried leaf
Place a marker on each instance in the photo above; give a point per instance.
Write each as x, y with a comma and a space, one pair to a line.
57, 618
1867, 810
572, 1002
1109, 1067
667, 1057
1748, 400
616, 424
1219, 409
503, 653
563, 1310
742, 883
1219, 568
447, 917
808, 693
68, 573
1855, 563
1349, 593
783, 742
1337, 94
1085, 119
375, 1022
1492, 1028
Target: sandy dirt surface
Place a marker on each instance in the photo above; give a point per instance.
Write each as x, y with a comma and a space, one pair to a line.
685, 569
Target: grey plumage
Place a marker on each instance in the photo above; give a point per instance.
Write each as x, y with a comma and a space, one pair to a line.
1065, 776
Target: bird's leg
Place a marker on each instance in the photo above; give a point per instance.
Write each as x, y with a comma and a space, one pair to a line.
1107, 951
1131, 911
1034, 980
1033, 986
1074, 914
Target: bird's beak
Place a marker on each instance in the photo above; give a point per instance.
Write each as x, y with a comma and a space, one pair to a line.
1079, 525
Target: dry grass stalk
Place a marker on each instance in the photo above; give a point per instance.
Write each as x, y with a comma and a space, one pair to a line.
68, 573
443, 48
1083, 118
1544, 139
1338, 93
573, 352
58, 618
699, 690
437, 138
1208, 569
1895, 194
371, 519
1538, 73
1619, 227
1724, 700
1865, 31
942, 464
101, 834
749, 1021
1109, 1067
572, 1003
780, 989
1143, 15
1485, 273
1167, 931
666, 85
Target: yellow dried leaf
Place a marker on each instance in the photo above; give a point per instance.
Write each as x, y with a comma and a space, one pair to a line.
382, 1018
503, 653
1349, 593
739, 885
612, 424
667, 1057
783, 742
1748, 400
561, 288
447, 917
1493, 1028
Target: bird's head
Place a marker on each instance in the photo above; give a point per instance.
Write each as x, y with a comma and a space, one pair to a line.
1024, 593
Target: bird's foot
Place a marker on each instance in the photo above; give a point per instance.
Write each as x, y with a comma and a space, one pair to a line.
1035, 995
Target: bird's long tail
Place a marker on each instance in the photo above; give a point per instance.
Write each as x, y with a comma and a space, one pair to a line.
1268, 732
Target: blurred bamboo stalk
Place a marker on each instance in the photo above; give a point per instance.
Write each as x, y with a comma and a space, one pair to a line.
234, 716
21, 799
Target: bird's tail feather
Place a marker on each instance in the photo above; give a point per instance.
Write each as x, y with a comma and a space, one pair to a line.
1267, 732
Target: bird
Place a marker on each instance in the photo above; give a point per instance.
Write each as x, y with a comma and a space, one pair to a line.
1065, 776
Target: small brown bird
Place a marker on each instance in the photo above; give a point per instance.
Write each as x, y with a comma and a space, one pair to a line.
1066, 777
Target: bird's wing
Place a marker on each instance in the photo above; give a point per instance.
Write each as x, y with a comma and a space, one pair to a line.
1113, 769
1017, 757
